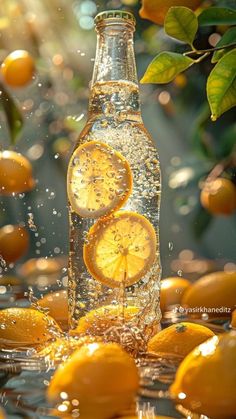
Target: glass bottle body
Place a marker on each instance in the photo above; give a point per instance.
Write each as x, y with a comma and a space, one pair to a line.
115, 120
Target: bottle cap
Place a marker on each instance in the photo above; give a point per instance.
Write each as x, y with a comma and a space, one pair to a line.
115, 14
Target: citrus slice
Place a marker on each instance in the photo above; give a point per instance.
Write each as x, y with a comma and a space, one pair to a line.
120, 249
99, 180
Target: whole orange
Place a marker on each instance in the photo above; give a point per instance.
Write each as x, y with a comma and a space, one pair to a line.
219, 196
206, 379
156, 10
14, 242
213, 294
18, 68
172, 290
15, 173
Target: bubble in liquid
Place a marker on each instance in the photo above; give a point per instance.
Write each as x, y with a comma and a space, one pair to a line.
170, 246
31, 223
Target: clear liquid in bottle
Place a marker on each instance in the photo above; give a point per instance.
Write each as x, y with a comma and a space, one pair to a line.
114, 189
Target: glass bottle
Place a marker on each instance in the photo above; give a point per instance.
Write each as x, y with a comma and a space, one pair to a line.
114, 193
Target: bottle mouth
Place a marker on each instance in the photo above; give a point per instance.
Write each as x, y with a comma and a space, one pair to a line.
115, 16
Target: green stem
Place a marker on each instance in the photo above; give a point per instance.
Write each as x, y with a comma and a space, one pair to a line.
209, 50
201, 58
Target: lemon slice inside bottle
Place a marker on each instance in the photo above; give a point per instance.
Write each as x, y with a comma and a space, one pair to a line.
120, 249
99, 180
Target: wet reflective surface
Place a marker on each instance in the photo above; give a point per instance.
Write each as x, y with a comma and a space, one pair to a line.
25, 375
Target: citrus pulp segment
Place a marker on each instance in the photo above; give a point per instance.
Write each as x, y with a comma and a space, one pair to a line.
99, 180
120, 249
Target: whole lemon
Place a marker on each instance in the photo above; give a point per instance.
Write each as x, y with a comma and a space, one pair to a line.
179, 339
206, 379
172, 290
213, 294
98, 321
103, 378
25, 327
15, 173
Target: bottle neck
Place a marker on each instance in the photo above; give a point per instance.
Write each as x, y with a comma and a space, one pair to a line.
114, 86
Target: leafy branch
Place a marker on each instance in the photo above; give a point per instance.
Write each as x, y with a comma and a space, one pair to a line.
182, 24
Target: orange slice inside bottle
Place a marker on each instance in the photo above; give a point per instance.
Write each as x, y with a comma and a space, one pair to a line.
99, 180
120, 249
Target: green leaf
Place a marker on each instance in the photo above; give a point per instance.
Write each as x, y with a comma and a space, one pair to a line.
182, 24
221, 85
217, 16
228, 38
165, 67
13, 114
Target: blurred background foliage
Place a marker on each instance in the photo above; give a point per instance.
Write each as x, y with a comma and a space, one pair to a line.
43, 119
